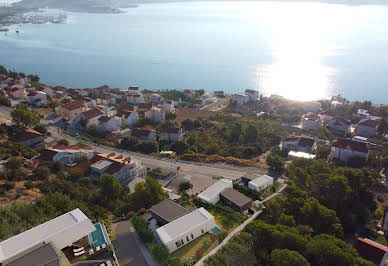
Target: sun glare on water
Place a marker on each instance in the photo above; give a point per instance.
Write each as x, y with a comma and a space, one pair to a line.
300, 41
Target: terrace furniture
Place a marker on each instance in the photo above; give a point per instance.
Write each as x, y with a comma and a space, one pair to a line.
91, 252
77, 254
98, 248
76, 250
109, 263
103, 246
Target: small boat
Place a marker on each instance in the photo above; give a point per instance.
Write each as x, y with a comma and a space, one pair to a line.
17, 31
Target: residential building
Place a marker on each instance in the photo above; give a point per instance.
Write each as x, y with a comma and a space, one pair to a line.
106, 99
239, 99
42, 245
172, 134
219, 94
185, 229
37, 98
344, 149
372, 251
134, 95
253, 95
236, 200
89, 102
109, 123
300, 154
156, 115
367, 127
128, 118
144, 134
212, 194
17, 92
311, 121
167, 106
197, 104
72, 109
155, 98
362, 113
122, 168
189, 93
48, 90
167, 211
91, 117
66, 155
337, 124
28, 138
143, 107
260, 183
298, 143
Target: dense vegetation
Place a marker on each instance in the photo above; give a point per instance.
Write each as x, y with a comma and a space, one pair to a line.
307, 224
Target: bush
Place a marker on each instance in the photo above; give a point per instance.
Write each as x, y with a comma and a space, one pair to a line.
41, 128
131, 214
40, 173
9, 185
142, 229
75, 174
221, 236
64, 142
161, 254
184, 186
28, 184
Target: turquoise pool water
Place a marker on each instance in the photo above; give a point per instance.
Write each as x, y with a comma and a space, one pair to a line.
96, 238
216, 230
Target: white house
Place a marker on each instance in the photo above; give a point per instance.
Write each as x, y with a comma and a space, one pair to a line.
345, 149
311, 121
239, 99
134, 95
91, 116
185, 229
122, 168
109, 124
106, 99
90, 102
337, 124
155, 98
61, 232
298, 143
167, 106
260, 183
362, 113
71, 109
212, 194
156, 115
37, 98
172, 134
144, 134
367, 127
129, 118
66, 155
252, 94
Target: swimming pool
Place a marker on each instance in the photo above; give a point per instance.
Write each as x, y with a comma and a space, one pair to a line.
97, 237
216, 230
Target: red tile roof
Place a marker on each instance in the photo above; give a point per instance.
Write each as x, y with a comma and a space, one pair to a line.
368, 123
339, 120
73, 105
312, 116
89, 114
145, 106
350, 144
141, 132
47, 154
25, 135
104, 119
370, 250
134, 88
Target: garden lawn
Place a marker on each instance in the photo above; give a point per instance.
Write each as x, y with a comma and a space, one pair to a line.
191, 248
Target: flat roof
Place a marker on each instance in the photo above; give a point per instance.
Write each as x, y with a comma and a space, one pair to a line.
101, 164
168, 210
41, 254
235, 196
214, 189
63, 224
261, 180
183, 224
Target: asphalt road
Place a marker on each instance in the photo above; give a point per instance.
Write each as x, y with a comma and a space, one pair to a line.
129, 248
200, 174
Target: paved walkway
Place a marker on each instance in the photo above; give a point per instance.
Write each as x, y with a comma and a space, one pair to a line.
237, 230
130, 250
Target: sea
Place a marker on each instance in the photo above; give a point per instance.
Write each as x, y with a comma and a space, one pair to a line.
300, 50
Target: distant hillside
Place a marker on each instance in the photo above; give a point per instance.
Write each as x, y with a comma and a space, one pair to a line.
92, 6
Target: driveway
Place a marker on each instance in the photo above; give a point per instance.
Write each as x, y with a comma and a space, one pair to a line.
130, 250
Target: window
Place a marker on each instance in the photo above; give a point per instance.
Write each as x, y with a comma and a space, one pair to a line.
179, 243
187, 238
192, 236
202, 231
